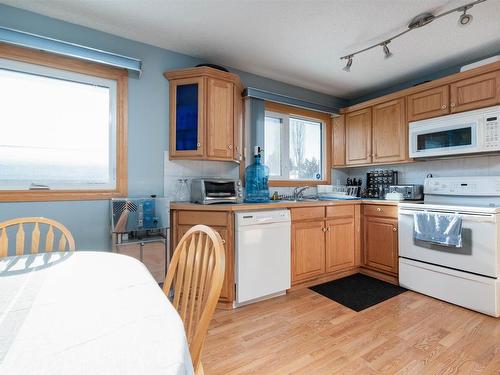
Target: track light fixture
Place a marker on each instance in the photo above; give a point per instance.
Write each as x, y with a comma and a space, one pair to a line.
417, 22
347, 67
465, 19
387, 52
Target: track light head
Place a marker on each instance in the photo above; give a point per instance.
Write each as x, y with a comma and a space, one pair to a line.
465, 19
387, 52
347, 67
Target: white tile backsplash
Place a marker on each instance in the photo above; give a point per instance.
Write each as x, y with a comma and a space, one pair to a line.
173, 170
414, 173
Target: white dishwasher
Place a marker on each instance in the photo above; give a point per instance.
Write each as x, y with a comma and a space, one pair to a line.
262, 255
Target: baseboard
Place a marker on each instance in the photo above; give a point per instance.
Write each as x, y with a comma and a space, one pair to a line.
325, 278
379, 275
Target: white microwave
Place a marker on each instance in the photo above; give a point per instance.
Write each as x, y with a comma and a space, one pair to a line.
462, 133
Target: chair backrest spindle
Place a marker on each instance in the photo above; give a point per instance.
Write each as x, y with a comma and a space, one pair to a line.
66, 240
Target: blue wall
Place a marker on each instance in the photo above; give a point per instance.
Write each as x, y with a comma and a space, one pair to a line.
147, 119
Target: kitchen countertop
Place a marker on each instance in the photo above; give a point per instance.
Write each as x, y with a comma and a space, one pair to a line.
271, 205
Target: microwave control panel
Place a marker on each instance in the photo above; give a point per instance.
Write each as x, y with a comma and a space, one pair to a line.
492, 133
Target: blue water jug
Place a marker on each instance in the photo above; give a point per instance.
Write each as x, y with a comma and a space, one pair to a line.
257, 180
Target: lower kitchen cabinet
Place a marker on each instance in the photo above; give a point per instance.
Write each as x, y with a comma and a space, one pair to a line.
380, 245
340, 234
184, 220
323, 242
308, 250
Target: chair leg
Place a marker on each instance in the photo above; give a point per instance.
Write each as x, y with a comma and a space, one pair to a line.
199, 370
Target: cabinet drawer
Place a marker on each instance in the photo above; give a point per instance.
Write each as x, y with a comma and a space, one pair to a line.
210, 218
380, 210
340, 211
305, 213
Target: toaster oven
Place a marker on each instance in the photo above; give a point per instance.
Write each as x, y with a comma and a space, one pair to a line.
410, 192
216, 190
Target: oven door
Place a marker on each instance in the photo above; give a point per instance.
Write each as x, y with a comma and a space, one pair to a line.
479, 253
431, 138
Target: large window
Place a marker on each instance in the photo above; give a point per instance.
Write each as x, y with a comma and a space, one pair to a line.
295, 146
61, 131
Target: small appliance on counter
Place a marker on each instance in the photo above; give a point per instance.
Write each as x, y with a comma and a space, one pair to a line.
409, 192
216, 190
378, 183
257, 180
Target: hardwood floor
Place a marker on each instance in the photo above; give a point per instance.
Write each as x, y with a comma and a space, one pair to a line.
306, 333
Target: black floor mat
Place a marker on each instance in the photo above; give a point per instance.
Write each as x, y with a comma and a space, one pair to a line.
358, 292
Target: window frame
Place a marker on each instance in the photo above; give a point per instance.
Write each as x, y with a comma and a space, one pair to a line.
120, 76
285, 112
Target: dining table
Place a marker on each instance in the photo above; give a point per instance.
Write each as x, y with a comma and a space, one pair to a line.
87, 312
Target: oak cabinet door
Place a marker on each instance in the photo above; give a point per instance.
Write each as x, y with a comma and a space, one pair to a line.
358, 132
187, 116
390, 133
476, 92
381, 244
339, 244
428, 103
220, 97
238, 124
227, 291
308, 250
338, 141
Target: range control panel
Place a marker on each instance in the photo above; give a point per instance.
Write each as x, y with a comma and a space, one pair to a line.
475, 185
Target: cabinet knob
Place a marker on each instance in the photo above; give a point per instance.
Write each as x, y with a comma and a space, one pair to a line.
198, 144
394, 229
329, 229
443, 106
379, 209
230, 147
452, 105
223, 240
323, 229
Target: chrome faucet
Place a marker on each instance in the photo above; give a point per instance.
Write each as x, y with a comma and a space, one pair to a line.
298, 192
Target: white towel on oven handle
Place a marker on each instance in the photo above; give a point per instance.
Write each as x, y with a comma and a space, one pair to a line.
439, 228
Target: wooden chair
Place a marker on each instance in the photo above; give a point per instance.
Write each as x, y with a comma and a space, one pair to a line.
196, 273
65, 240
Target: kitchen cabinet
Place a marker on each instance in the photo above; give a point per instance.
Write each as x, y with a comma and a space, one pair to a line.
358, 133
308, 250
429, 103
323, 241
390, 132
187, 117
338, 141
205, 114
380, 238
476, 92
222, 222
219, 119
340, 236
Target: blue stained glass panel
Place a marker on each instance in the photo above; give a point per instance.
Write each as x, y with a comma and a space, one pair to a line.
186, 117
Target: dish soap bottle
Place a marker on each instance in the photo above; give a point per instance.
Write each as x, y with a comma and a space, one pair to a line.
257, 180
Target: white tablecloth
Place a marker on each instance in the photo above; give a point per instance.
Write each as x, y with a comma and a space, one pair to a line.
87, 313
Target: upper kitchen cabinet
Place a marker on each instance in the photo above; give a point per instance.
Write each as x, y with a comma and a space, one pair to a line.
205, 114
476, 92
389, 132
428, 103
358, 134
338, 141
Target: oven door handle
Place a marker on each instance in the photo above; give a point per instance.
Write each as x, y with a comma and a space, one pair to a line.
479, 218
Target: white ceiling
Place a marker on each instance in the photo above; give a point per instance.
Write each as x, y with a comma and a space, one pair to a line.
298, 42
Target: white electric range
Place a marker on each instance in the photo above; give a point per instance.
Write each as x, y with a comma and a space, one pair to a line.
468, 276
